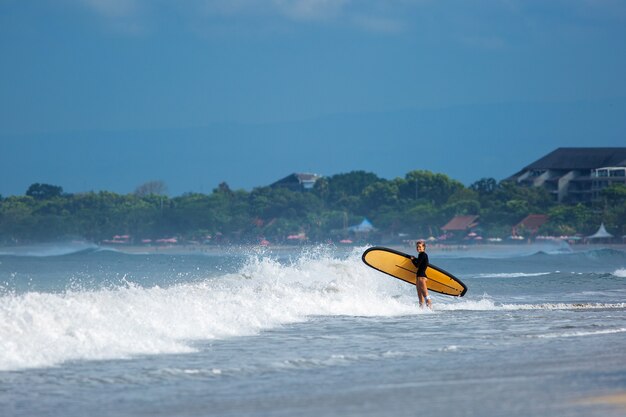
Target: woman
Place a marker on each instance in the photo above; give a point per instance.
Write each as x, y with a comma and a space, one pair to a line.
421, 263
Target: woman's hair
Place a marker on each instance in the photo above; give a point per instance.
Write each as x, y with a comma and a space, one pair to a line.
420, 242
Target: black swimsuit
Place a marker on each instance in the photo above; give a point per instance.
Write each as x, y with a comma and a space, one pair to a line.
421, 263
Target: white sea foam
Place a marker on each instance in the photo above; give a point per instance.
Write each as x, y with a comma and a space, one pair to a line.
45, 329
483, 304
512, 274
580, 333
486, 304
621, 273
565, 306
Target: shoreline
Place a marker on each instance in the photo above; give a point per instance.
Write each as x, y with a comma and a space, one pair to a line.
521, 248
437, 249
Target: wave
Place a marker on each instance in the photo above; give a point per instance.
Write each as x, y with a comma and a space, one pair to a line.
504, 251
49, 249
511, 275
620, 273
530, 252
579, 333
39, 329
47, 329
617, 273
602, 253
489, 305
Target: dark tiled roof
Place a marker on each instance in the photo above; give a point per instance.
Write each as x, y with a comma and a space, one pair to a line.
580, 158
461, 223
533, 221
297, 178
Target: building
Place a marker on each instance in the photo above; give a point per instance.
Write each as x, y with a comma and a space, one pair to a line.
575, 175
297, 181
462, 224
530, 224
605, 177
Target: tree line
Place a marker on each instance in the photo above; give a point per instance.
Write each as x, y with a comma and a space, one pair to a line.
416, 205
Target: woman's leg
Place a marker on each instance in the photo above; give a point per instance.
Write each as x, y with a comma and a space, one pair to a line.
423, 289
420, 294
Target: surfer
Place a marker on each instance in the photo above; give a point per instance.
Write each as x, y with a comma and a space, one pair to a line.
421, 263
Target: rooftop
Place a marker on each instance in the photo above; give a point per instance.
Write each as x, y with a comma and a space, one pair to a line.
580, 159
533, 221
461, 223
304, 179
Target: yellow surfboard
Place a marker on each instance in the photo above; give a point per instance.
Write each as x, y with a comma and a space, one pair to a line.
399, 265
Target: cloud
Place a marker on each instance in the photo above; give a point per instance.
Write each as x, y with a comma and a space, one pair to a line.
113, 8
291, 9
310, 9
125, 17
375, 16
134, 16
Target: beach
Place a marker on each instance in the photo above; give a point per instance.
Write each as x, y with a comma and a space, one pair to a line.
309, 331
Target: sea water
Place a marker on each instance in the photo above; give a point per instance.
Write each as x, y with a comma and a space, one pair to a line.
309, 332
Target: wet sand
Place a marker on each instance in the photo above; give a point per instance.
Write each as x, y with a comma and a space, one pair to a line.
616, 399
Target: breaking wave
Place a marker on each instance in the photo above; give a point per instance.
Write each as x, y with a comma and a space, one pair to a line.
621, 273
45, 329
42, 329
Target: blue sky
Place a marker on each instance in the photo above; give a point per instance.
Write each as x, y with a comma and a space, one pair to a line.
108, 94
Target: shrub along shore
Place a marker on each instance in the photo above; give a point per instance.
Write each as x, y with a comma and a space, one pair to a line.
416, 205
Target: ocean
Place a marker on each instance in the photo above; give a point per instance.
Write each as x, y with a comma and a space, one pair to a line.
89, 331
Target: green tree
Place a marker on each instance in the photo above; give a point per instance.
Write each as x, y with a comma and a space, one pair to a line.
614, 194
484, 186
568, 220
44, 191
269, 203
337, 189
379, 194
428, 186
16, 218
417, 204
156, 187
423, 218
464, 201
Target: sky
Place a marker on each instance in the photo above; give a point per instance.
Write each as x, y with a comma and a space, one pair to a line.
109, 94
